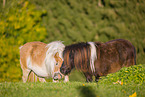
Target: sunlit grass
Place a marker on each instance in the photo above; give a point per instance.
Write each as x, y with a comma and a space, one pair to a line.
109, 86
70, 89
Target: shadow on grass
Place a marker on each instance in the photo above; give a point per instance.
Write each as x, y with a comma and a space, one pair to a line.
86, 91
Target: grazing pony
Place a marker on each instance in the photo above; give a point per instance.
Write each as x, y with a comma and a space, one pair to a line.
98, 59
41, 59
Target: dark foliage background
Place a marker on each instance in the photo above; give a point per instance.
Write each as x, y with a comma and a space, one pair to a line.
69, 21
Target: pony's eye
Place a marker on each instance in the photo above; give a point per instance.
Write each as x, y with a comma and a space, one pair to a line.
56, 63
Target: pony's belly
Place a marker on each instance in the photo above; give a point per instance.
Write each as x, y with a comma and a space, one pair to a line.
40, 71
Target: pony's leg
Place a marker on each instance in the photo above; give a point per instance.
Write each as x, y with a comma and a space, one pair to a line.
96, 78
35, 77
42, 79
32, 77
25, 75
66, 78
88, 77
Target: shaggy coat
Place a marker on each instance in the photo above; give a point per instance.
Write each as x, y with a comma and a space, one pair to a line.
42, 59
98, 59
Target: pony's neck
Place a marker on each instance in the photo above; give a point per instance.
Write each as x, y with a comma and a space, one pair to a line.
50, 63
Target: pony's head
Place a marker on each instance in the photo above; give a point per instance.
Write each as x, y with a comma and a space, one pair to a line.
57, 74
65, 69
54, 58
78, 56
68, 62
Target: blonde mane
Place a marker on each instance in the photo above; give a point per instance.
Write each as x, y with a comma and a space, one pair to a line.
53, 48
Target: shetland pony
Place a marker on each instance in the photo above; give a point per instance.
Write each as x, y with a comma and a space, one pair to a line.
98, 59
41, 59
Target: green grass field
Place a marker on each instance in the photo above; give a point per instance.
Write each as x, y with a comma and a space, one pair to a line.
132, 81
70, 89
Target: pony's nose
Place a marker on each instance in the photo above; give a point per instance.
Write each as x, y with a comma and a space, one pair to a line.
57, 76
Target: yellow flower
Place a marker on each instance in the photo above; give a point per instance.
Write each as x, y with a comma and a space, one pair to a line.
121, 83
133, 95
83, 84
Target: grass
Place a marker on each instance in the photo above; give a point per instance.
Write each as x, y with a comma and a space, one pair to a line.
132, 81
70, 89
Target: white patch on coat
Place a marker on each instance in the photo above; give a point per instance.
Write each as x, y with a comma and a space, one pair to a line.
47, 68
93, 55
40, 71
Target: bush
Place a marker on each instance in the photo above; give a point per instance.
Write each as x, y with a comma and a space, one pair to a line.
134, 74
19, 24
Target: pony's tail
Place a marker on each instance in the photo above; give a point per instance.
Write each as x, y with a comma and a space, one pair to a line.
20, 47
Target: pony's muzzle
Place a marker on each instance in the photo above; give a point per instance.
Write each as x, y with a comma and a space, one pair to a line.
65, 71
57, 76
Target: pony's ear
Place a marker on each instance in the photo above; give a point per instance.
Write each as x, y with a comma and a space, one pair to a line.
56, 56
58, 59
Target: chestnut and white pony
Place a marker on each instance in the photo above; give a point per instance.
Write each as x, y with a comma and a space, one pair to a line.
43, 60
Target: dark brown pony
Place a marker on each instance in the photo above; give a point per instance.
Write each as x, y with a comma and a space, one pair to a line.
98, 59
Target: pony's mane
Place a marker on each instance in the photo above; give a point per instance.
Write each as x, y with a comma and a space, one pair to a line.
93, 55
81, 55
53, 48
77, 55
